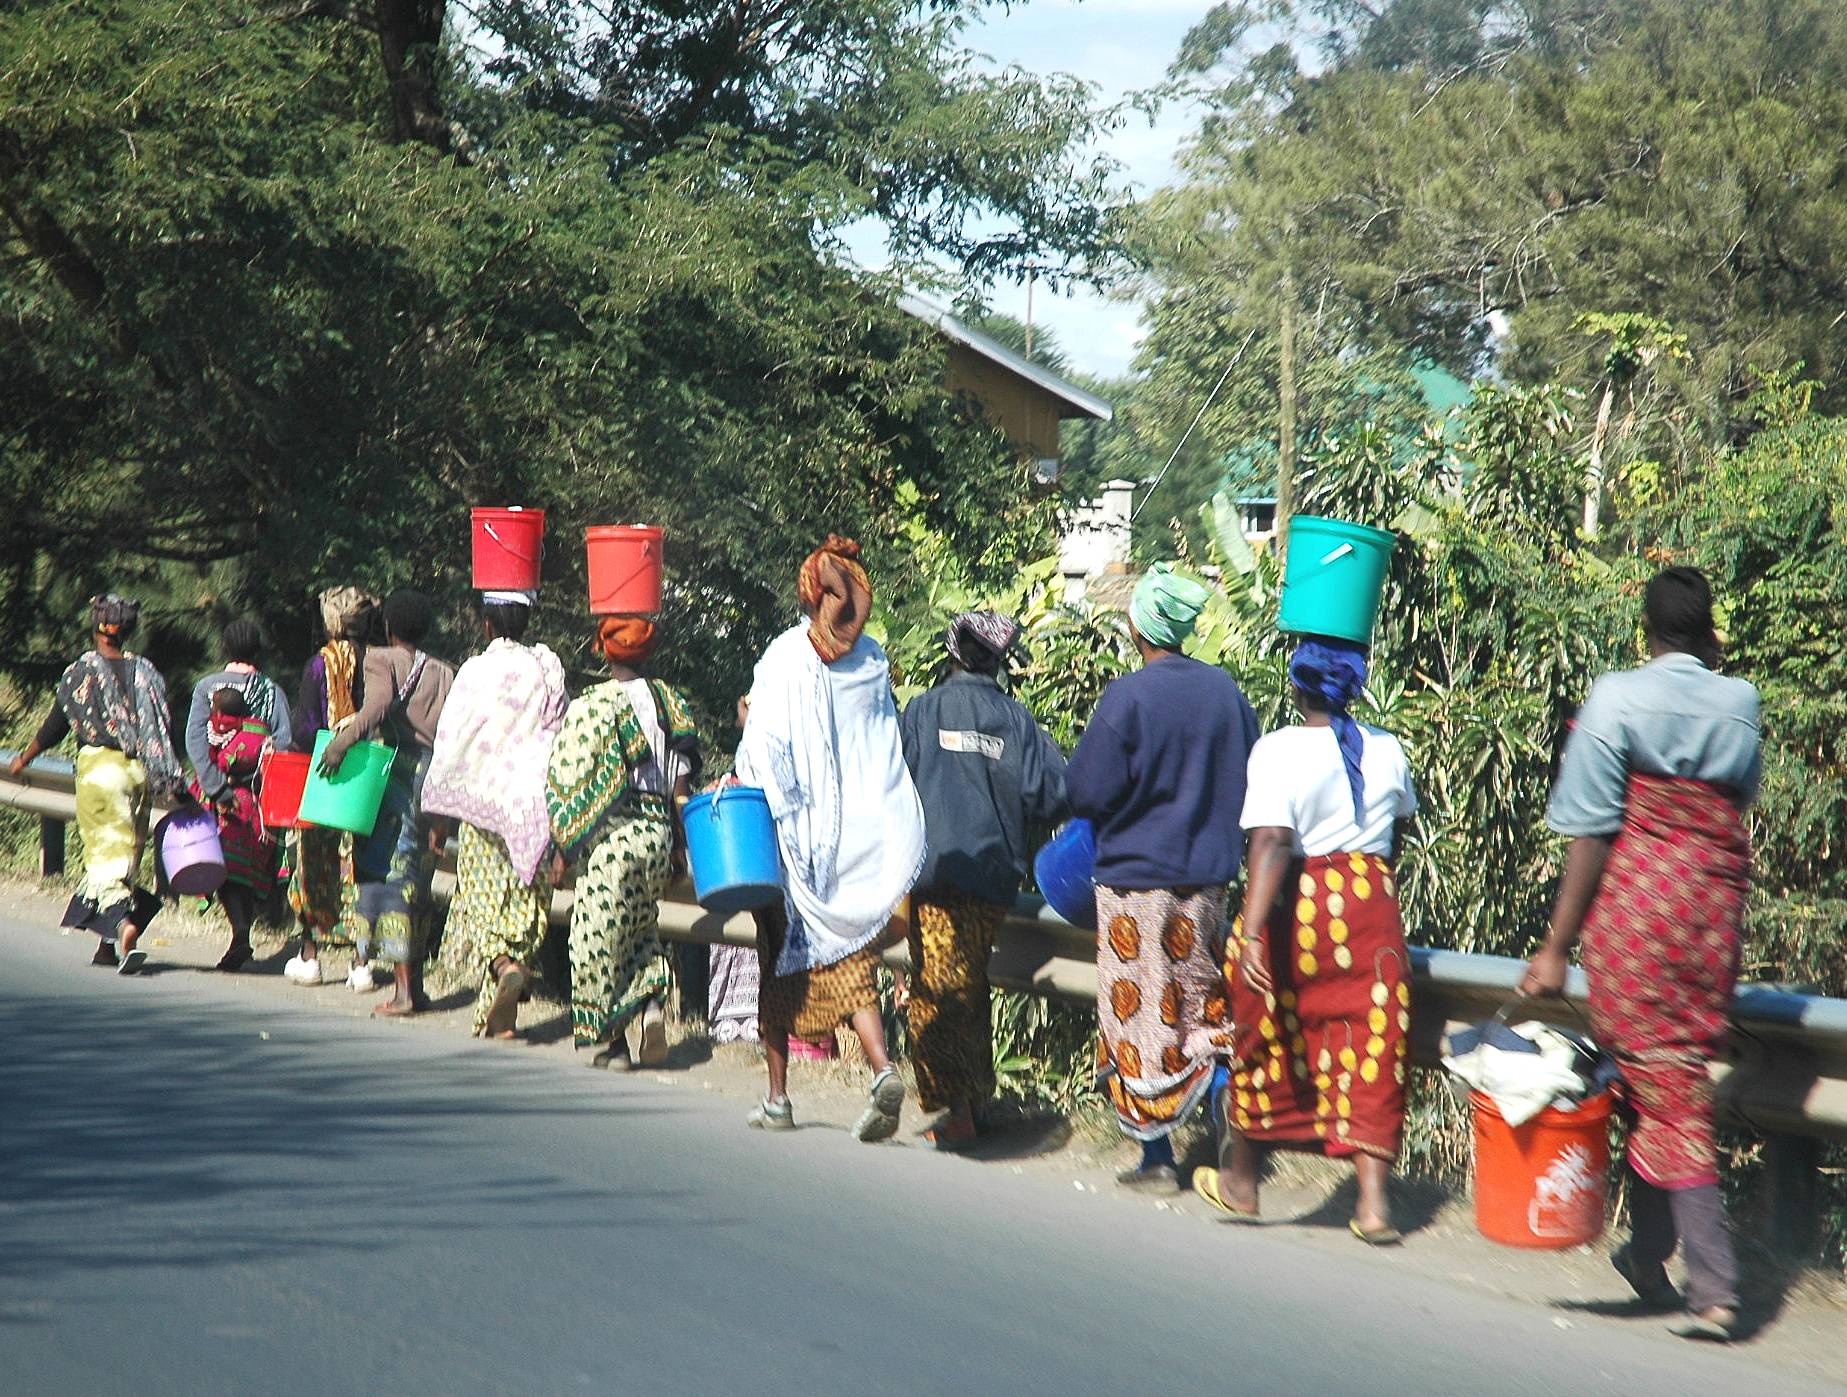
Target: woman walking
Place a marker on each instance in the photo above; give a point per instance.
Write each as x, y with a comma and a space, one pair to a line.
405, 691
622, 765
822, 742
225, 749
1660, 768
987, 776
115, 703
493, 746
322, 885
1320, 982
1160, 774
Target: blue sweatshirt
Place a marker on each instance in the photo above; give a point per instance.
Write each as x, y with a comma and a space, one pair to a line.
1160, 773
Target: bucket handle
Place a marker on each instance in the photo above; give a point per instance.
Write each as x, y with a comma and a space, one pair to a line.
647, 553
1339, 552
493, 533
1500, 1014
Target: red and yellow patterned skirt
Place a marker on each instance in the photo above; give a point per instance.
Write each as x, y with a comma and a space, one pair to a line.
1320, 1062
1661, 949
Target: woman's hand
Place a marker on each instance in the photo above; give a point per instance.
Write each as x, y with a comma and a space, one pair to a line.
1254, 966
331, 757
17, 765
559, 867
1545, 974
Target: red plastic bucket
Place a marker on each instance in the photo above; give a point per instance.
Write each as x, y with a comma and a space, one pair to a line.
509, 547
625, 569
285, 777
1542, 1185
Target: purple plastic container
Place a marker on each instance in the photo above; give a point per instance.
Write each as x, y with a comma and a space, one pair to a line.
189, 852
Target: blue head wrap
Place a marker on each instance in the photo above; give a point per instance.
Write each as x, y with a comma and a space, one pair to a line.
1336, 670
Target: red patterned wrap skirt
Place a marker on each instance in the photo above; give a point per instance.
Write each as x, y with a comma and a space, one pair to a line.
1661, 948
1320, 1062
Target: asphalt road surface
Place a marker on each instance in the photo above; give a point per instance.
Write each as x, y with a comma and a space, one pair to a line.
189, 1206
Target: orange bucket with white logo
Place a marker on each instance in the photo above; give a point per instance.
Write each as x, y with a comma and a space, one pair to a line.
1543, 1185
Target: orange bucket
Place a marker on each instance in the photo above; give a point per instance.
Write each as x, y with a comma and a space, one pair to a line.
509, 547
1542, 1185
625, 569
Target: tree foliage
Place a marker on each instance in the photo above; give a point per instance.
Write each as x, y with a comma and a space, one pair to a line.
287, 289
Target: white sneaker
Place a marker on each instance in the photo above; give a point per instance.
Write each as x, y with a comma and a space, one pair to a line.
302, 972
361, 981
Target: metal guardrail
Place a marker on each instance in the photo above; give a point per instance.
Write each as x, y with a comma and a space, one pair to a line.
1785, 1076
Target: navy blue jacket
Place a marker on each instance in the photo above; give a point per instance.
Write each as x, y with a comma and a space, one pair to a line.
1160, 773
987, 776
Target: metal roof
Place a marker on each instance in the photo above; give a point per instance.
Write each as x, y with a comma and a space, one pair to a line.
1080, 403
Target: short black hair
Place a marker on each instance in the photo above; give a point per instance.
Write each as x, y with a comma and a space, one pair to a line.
1678, 605
408, 615
241, 639
508, 619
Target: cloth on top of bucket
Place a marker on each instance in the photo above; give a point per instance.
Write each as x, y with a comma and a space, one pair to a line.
510, 598
1526, 1067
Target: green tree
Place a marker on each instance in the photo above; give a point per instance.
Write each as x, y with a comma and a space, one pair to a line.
286, 291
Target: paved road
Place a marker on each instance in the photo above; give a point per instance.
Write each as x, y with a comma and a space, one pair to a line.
190, 1207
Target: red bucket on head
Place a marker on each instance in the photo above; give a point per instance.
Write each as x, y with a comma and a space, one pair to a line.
1543, 1184
625, 569
509, 547
285, 777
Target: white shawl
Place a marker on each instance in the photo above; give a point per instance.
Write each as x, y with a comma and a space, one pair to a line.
822, 742
493, 745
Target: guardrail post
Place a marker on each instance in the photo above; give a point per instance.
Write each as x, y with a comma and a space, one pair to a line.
50, 847
1793, 1164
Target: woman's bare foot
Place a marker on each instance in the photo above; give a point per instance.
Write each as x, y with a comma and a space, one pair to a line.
236, 957
397, 1007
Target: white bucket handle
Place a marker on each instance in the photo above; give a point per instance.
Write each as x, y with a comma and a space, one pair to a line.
494, 534
1339, 552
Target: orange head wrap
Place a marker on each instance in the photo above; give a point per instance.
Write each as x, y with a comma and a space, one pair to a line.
625, 640
836, 594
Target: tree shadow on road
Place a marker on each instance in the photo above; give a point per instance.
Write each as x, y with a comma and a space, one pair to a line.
120, 1126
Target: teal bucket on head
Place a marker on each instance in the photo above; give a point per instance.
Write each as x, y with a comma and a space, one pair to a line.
731, 844
349, 800
1334, 578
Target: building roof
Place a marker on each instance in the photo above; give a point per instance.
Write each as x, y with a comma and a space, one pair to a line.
1074, 400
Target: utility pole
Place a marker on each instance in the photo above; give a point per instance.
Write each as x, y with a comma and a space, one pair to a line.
1031, 274
1285, 415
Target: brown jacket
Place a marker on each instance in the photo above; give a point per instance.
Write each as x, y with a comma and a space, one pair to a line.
388, 669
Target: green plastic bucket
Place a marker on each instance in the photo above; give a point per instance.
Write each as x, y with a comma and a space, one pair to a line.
350, 800
1334, 578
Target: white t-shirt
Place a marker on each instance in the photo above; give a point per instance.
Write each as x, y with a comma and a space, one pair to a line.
1298, 782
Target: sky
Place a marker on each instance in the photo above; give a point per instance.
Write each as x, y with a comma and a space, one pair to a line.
1120, 46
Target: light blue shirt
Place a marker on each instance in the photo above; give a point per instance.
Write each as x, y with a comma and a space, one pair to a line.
1671, 717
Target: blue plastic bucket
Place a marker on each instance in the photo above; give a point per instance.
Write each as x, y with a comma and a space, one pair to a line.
731, 841
1334, 578
1063, 870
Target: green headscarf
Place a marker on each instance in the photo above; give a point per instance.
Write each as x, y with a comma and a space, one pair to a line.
1166, 605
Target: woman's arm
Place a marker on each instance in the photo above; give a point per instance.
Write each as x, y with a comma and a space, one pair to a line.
1267, 860
381, 689
198, 745
1584, 863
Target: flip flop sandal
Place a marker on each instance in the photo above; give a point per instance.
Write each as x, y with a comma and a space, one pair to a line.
1712, 1331
132, 961
1206, 1185
1384, 1237
236, 959
952, 1144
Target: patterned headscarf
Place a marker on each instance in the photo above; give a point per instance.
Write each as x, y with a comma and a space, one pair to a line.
625, 640
114, 616
346, 612
1336, 670
836, 595
1166, 605
980, 640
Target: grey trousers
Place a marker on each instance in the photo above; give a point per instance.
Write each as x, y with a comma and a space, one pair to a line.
1695, 1218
